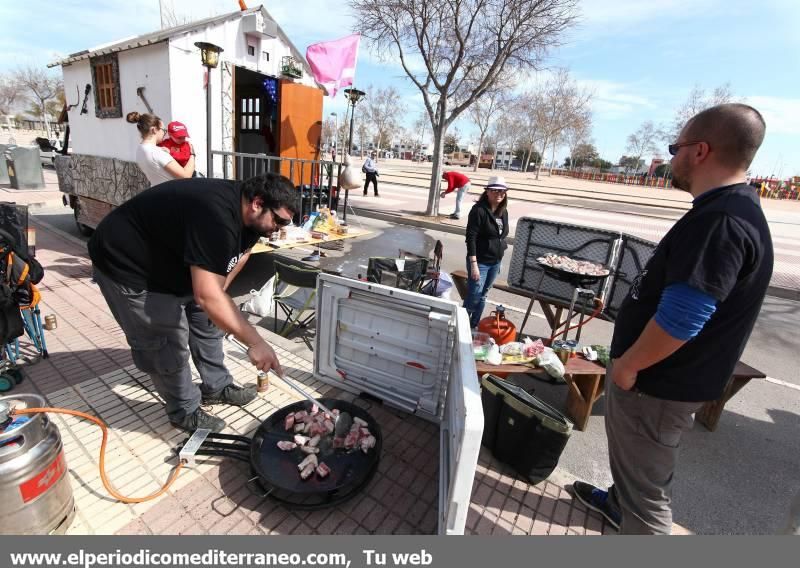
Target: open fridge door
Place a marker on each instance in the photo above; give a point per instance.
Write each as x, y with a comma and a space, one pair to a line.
414, 353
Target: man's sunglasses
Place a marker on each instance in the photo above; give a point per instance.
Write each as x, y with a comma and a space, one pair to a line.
673, 148
280, 221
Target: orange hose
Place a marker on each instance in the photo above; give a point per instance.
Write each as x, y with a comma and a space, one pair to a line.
106, 483
559, 331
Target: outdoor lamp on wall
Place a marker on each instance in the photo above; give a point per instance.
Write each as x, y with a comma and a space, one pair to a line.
209, 54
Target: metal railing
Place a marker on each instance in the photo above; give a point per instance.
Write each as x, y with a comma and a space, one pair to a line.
317, 180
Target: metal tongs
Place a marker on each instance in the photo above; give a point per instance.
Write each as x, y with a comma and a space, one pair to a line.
243, 348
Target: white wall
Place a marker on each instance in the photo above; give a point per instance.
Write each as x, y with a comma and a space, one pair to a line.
188, 93
146, 67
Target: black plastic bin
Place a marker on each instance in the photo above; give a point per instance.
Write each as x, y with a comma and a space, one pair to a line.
522, 430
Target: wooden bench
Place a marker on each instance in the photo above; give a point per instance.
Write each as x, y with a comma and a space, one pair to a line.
586, 379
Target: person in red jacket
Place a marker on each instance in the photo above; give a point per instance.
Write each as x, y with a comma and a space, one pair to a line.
458, 182
176, 143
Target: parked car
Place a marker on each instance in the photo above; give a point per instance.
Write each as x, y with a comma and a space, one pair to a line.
48, 150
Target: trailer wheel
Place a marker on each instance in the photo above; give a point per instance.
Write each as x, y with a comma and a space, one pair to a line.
84, 230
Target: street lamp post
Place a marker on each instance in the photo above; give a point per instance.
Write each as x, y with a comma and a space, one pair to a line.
209, 55
353, 97
335, 134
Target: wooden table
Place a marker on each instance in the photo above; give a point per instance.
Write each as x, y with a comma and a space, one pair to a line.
275, 246
586, 381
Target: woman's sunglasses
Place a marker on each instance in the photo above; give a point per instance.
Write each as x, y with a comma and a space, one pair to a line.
496, 189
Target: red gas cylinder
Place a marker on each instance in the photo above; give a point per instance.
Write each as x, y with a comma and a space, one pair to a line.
498, 327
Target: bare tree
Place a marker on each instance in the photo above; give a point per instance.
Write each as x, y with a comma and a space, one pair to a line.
463, 48
562, 103
643, 141
527, 110
485, 111
10, 93
697, 101
577, 135
419, 128
41, 87
384, 109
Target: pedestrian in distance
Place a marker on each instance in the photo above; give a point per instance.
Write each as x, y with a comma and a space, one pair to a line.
687, 318
164, 260
370, 168
487, 229
157, 164
458, 182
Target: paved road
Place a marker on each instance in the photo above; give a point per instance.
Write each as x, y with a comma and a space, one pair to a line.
735, 480
647, 213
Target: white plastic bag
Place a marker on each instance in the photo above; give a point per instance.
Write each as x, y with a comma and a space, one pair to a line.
550, 362
349, 178
261, 303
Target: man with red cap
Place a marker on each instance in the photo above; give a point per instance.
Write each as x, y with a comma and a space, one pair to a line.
176, 143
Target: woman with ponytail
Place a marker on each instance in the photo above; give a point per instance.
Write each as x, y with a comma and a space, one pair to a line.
157, 163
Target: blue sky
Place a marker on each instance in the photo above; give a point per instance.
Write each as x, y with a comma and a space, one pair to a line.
639, 57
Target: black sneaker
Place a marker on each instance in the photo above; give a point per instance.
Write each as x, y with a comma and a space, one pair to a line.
597, 500
454, 216
200, 419
233, 395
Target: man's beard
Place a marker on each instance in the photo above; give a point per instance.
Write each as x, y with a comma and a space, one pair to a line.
679, 182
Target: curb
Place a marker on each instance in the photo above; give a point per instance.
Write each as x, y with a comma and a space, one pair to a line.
772, 291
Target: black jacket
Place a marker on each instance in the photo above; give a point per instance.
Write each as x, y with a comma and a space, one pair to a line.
484, 239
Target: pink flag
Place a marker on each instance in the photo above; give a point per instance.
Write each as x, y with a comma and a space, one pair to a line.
333, 63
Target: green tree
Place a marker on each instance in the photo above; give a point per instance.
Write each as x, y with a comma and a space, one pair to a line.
631, 163
451, 142
664, 170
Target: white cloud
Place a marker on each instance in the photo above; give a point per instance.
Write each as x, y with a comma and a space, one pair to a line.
782, 115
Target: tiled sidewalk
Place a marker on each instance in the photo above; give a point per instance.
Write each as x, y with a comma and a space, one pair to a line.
90, 369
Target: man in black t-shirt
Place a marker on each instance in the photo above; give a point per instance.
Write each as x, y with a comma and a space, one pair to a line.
163, 261
687, 318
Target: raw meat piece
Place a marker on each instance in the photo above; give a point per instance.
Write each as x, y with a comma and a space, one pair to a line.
330, 427
314, 409
323, 470
367, 443
288, 422
360, 421
299, 427
309, 449
335, 411
364, 432
351, 440
573, 265
310, 459
338, 443
286, 445
301, 416
314, 442
300, 440
306, 472
307, 427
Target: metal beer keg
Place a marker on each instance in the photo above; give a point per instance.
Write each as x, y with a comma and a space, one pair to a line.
35, 491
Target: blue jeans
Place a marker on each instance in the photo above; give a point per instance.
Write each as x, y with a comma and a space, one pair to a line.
460, 193
478, 289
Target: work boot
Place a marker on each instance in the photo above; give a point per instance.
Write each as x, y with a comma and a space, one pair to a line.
233, 395
597, 500
200, 419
